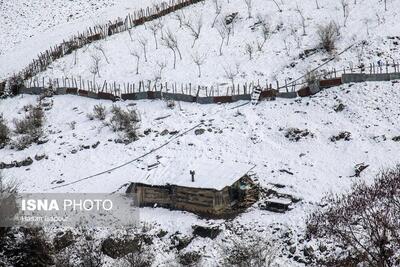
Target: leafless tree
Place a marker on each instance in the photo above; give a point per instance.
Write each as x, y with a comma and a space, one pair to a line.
154, 28
277, 5
249, 50
170, 41
222, 31
317, 4
303, 19
161, 66
363, 222
265, 33
143, 43
231, 73
194, 29
180, 17
95, 67
137, 56
218, 9
199, 60
249, 5
328, 35
295, 35
100, 48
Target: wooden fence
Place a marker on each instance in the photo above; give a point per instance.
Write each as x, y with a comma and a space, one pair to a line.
99, 32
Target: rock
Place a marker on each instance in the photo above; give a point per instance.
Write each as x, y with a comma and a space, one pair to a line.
295, 134
26, 162
340, 107
174, 132
199, 131
180, 241
147, 131
117, 248
42, 141
40, 157
165, 132
346, 136
162, 233
63, 240
308, 251
85, 146
74, 151
359, 168
96, 144
396, 138
206, 231
292, 249
322, 248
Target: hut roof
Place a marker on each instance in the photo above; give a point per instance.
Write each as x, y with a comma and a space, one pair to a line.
208, 174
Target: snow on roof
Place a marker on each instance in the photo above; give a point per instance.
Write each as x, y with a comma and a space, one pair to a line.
283, 201
208, 173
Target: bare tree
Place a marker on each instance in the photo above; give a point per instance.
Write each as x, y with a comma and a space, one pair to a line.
95, 67
194, 29
231, 74
249, 4
154, 28
265, 33
180, 17
170, 41
218, 9
328, 35
161, 66
277, 5
100, 48
199, 60
363, 222
346, 10
249, 50
137, 56
303, 19
143, 43
222, 31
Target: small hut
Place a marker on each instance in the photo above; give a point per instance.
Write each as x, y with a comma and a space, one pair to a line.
211, 189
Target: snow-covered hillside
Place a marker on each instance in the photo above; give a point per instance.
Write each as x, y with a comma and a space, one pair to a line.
246, 134
366, 26
31, 27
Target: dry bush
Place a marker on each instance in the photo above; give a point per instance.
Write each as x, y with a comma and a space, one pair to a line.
30, 127
99, 112
4, 132
256, 252
33, 120
328, 35
138, 259
8, 202
364, 223
125, 121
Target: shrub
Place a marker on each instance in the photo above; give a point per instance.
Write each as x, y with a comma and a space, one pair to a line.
190, 258
256, 252
328, 35
125, 121
4, 132
30, 127
364, 222
99, 112
8, 202
33, 120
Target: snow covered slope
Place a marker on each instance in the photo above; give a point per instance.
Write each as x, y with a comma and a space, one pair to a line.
31, 27
367, 27
246, 134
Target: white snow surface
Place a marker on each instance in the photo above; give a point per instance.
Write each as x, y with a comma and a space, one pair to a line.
209, 174
278, 60
247, 134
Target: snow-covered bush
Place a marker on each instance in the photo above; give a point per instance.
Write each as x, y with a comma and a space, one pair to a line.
4, 131
30, 127
364, 223
328, 35
125, 121
99, 112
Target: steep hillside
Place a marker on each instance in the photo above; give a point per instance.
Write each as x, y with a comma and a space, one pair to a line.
290, 49
307, 168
